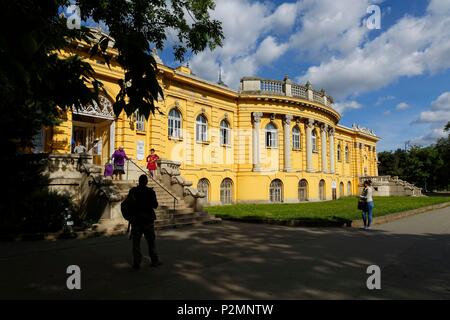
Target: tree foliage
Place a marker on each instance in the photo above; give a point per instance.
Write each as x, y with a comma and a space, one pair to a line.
427, 167
38, 82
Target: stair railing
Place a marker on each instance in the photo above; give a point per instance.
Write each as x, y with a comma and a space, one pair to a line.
175, 200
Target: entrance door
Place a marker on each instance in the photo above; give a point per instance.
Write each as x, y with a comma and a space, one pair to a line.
79, 134
333, 190
94, 134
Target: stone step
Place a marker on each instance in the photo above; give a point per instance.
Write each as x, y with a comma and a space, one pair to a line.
114, 228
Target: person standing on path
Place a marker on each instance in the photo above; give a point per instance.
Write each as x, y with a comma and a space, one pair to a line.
367, 211
143, 222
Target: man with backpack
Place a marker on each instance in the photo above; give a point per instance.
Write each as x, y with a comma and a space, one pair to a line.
138, 209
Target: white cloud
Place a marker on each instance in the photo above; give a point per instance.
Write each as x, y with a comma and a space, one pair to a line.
329, 27
382, 100
402, 106
413, 46
437, 117
346, 105
440, 111
251, 30
269, 50
429, 138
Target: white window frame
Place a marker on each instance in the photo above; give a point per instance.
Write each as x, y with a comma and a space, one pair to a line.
201, 128
225, 133
271, 135
347, 154
174, 123
339, 153
226, 191
276, 191
140, 122
314, 141
296, 138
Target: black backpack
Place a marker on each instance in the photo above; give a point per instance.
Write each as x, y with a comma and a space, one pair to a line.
128, 207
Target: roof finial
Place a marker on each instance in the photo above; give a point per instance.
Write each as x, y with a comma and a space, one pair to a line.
220, 76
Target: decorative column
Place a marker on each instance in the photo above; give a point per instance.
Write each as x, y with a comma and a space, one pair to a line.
287, 142
309, 127
323, 131
256, 152
331, 133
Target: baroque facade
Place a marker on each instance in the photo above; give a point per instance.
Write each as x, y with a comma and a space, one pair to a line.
269, 141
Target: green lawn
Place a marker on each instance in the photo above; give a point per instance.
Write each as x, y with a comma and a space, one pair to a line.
337, 210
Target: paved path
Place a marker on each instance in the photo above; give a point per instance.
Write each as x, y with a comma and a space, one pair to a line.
239, 260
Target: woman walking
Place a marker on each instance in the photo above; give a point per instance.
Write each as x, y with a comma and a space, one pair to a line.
119, 156
367, 208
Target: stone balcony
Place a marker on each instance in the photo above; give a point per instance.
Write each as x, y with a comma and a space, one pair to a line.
254, 85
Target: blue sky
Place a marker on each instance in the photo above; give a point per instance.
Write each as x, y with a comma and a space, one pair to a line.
395, 80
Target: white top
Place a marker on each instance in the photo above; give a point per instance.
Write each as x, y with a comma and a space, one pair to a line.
369, 195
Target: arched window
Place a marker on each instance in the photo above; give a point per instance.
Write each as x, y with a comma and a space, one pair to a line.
201, 132
296, 138
314, 141
140, 122
303, 190
339, 152
322, 195
174, 123
271, 136
341, 189
224, 132
276, 191
203, 186
349, 188
346, 154
226, 191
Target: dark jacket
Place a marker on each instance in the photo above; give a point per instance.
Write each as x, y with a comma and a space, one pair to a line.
146, 202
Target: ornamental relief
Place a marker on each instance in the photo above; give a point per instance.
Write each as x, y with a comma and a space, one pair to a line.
93, 109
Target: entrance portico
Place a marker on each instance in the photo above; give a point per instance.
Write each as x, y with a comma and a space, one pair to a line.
93, 125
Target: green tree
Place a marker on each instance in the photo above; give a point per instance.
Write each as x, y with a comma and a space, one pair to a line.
37, 83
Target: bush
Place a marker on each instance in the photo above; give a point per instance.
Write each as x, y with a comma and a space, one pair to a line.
41, 211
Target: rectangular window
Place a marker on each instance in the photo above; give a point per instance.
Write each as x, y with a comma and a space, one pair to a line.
201, 132
225, 136
296, 141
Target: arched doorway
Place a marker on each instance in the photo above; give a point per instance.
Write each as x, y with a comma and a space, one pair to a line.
303, 190
341, 190
276, 191
322, 195
226, 191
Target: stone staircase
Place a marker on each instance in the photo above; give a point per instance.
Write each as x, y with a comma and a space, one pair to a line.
391, 186
102, 198
169, 215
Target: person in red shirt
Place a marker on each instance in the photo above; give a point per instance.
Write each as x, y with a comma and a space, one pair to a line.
151, 163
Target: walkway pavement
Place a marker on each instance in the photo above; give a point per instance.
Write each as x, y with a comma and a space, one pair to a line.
238, 260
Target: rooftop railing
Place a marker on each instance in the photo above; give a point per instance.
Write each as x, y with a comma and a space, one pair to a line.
284, 88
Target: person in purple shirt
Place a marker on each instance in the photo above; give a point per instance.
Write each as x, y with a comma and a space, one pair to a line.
118, 157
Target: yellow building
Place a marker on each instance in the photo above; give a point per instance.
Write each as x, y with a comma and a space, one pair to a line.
269, 141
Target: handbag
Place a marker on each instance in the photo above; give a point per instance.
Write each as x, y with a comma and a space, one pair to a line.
362, 204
